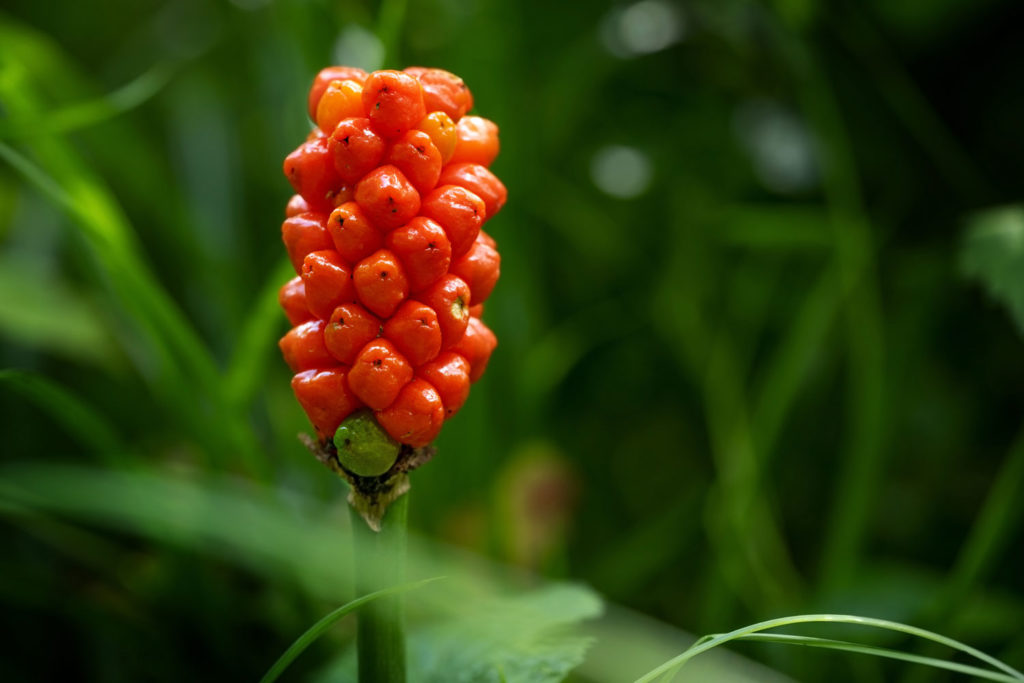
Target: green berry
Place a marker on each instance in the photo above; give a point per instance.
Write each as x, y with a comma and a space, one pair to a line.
364, 448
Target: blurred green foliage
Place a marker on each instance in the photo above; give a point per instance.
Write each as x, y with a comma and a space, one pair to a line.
757, 342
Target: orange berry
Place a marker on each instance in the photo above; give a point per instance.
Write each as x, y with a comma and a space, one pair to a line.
476, 310
303, 347
378, 373
459, 212
416, 416
477, 141
341, 100
480, 268
311, 173
380, 283
326, 398
476, 347
423, 249
449, 297
443, 91
296, 205
324, 79
441, 129
328, 282
415, 155
292, 297
387, 197
355, 148
449, 375
415, 332
350, 328
393, 101
355, 237
478, 180
303, 234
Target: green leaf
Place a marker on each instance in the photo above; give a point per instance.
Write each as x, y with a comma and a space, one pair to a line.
993, 254
518, 639
320, 627
77, 417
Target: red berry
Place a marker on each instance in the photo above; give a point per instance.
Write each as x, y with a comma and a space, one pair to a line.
484, 238
356, 149
355, 237
350, 328
449, 297
303, 347
478, 180
380, 283
416, 416
476, 347
477, 141
423, 249
415, 155
443, 91
393, 101
303, 234
476, 310
312, 175
324, 78
292, 297
449, 374
459, 212
415, 332
378, 373
326, 398
296, 205
328, 282
480, 269
387, 197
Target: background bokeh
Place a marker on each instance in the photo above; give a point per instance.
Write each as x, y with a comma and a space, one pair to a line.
757, 341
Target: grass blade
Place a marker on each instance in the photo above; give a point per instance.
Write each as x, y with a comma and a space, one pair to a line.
318, 629
706, 644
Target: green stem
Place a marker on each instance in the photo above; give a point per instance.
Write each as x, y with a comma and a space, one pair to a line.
380, 563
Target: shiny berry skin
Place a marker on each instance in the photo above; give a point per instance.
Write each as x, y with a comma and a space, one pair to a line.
296, 205
328, 281
480, 268
341, 100
459, 212
393, 101
415, 332
449, 297
442, 132
326, 398
478, 180
292, 297
303, 234
355, 237
380, 283
477, 141
423, 249
416, 416
449, 375
350, 328
303, 347
310, 175
415, 155
387, 197
476, 347
324, 79
355, 148
378, 374
443, 91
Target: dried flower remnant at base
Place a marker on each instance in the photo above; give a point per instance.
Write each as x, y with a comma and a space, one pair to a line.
384, 232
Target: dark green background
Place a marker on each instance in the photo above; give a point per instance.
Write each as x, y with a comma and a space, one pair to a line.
748, 391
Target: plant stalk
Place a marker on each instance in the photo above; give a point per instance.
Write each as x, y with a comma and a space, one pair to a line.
379, 559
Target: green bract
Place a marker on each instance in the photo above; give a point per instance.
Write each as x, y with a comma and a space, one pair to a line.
363, 447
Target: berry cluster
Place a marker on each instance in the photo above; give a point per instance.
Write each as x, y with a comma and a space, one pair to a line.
384, 232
